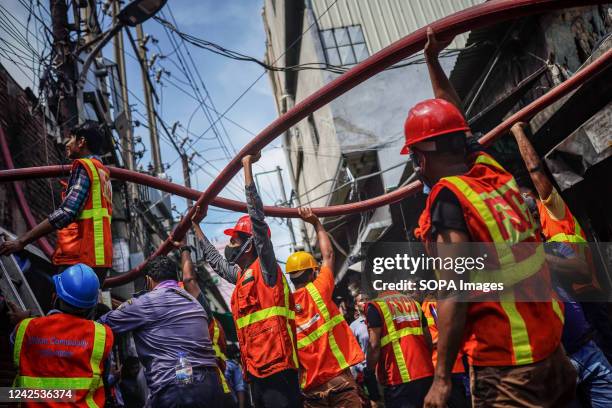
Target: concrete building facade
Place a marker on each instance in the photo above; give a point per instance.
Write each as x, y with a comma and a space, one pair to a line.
349, 149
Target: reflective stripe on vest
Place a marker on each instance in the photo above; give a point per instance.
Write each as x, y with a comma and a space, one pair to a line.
219, 354
215, 342
513, 272
393, 336
97, 213
562, 237
75, 383
264, 314
19, 340
287, 293
326, 328
226, 388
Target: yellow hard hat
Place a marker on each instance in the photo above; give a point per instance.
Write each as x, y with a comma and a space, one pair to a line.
298, 261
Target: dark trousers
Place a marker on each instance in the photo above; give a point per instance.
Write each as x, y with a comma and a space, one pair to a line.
408, 395
280, 390
458, 397
204, 392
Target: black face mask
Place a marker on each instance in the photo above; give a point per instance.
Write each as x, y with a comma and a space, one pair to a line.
233, 253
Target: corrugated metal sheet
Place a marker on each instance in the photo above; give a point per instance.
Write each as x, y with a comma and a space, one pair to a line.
386, 21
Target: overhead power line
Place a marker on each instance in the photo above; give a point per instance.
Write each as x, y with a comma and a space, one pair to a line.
263, 73
321, 66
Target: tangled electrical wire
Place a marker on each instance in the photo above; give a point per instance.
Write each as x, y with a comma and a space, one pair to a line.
323, 66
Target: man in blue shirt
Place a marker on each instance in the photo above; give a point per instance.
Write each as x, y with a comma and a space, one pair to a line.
165, 321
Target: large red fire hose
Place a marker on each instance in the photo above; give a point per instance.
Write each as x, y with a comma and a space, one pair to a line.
475, 17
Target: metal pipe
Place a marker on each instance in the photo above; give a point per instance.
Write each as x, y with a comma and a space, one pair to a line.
482, 15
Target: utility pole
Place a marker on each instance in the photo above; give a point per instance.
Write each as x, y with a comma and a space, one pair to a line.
127, 136
284, 195
186, 176
65, 67
155, 151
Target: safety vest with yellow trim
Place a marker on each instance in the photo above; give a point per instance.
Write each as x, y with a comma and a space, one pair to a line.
62, 351
568, 230
431, 314
265, 323
404, 353
505, 332
217, 337
88, 240
326, 344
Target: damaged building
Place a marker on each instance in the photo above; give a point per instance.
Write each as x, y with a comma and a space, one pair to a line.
348, 150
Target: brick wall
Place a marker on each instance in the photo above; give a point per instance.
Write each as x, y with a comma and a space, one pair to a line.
30, 147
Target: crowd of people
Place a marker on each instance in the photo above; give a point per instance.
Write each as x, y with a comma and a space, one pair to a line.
295, 345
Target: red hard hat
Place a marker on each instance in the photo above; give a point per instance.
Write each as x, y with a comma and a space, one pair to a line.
431, 118
244, 225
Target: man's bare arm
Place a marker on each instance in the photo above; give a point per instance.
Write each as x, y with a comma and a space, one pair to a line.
574, 269
327, 250
442, 87
451, 322
11, 246
373, 352
532, 161
190, 280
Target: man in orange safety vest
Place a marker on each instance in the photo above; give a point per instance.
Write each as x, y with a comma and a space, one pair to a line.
83, 220
326, 346
472, 198
65, 350
262, 305
399, 349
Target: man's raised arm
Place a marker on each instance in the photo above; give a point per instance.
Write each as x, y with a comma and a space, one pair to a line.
442, 87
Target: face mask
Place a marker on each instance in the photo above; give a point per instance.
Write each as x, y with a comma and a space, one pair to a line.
233, 253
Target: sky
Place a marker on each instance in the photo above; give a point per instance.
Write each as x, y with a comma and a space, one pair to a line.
236, 25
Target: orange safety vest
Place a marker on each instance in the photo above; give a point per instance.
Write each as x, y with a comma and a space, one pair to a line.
326, 344
568, 230
404, 353
430, 312
63, 352
217, 337
265, 323
505, 332
88, 240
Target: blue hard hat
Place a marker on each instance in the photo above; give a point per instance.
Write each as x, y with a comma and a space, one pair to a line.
78, 286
